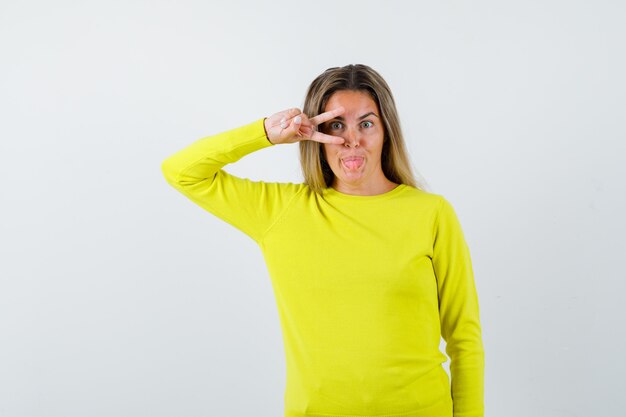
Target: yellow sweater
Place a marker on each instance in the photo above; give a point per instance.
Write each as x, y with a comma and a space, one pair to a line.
365, 286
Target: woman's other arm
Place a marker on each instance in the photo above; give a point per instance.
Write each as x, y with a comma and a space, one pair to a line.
459, 312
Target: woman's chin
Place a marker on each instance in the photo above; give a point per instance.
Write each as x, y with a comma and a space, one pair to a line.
351, 176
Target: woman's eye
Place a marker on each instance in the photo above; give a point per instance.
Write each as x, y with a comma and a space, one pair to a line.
338, 125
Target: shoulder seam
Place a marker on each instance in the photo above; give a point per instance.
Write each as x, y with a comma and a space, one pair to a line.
436, 218
280, 216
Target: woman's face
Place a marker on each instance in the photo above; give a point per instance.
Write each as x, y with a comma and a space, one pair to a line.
355, 163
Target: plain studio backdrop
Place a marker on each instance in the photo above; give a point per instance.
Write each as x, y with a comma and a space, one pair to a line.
120, 297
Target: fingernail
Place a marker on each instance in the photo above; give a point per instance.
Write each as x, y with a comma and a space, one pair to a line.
297, 119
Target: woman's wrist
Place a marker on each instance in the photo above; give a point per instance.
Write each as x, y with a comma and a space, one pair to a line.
266, 135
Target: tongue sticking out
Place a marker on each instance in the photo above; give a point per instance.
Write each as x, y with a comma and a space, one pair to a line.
353, 163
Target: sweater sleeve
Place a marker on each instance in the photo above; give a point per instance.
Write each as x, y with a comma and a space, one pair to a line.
459, 312
250, 206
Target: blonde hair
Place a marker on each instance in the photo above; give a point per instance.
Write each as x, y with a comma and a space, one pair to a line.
395, 161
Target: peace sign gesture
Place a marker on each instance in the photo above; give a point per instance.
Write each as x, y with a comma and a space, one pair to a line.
289, 126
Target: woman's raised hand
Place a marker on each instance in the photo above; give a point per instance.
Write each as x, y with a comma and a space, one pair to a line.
289, 126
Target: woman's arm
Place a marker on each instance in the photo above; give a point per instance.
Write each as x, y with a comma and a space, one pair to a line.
459, 312
251, 206
196, 171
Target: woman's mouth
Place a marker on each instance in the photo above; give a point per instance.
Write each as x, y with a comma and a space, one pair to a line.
352, 162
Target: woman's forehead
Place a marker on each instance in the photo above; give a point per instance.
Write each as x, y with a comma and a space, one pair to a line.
356, 103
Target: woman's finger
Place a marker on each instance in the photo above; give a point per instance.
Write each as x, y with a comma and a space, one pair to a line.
287, 116
306, 131
296, 125
299, 128
303, 126
323, 117
323, 137
291, 113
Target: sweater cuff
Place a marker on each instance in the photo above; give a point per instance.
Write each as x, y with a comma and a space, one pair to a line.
255, 132
265, 131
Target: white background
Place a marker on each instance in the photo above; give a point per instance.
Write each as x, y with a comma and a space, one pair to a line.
119, 297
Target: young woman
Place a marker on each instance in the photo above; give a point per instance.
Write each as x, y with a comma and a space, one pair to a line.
369, 270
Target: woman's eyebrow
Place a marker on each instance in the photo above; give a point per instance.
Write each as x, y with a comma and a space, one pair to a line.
362, 117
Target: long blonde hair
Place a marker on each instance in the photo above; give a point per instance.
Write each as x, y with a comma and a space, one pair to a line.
395, 161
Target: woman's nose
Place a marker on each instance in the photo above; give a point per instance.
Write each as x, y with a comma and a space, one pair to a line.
352, 138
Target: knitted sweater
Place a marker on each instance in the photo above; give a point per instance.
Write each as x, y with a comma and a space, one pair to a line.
365, 286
